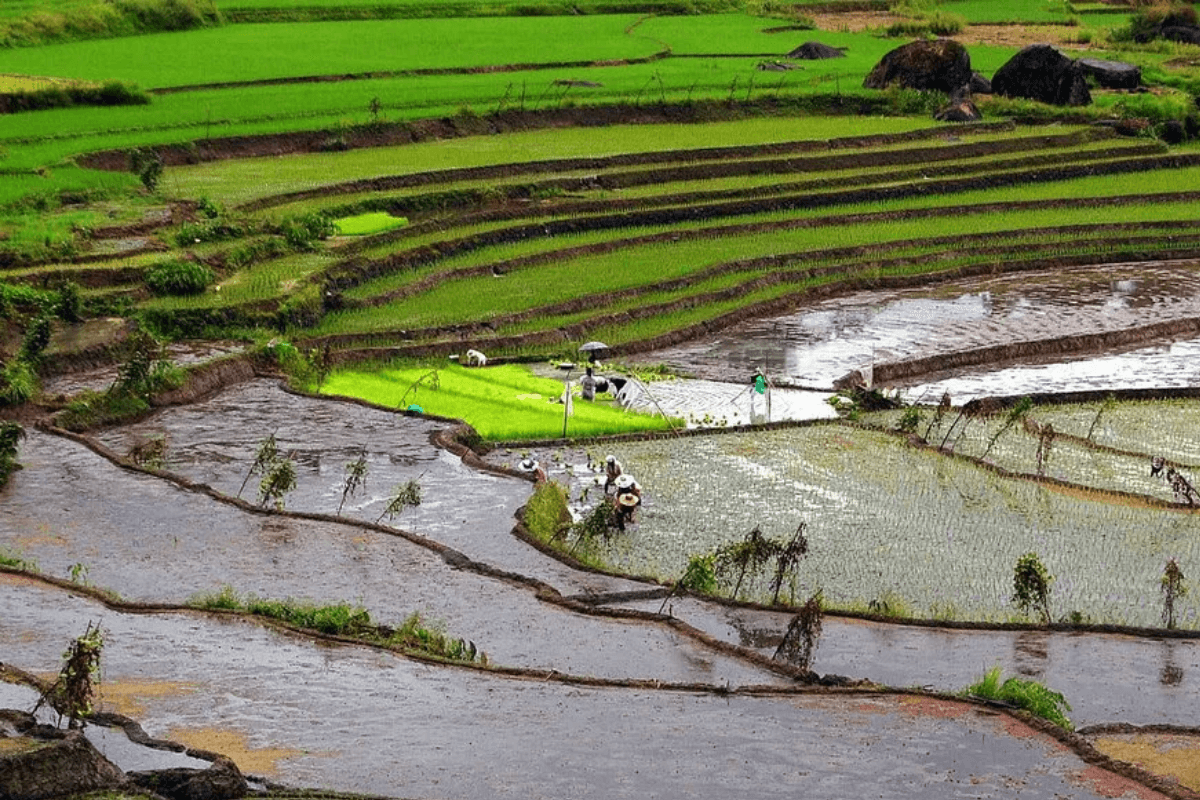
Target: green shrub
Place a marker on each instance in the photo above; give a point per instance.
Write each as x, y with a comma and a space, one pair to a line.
11, 434
37, 338
1028, 695
93, 409
18, 383
179, 278
70, 302
213, 230
546, 514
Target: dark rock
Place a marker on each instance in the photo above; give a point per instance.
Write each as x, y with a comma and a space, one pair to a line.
221, 781
1172, 132
57, 768
1188, 34
1039, 72
941, 64
979, 84
815, 51
961, 109
1112, 74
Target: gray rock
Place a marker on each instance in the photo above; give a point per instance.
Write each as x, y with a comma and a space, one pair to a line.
221, 781
1112, 74
57, 768
941, 64
815, 51
1040, 72
979, 84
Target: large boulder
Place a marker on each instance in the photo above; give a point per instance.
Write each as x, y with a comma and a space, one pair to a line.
43, 768
940, 64
1185, 34
815, 51
1112, 74
221, 781
1039, 72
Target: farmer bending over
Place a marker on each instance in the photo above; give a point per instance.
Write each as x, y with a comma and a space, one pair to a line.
612, 471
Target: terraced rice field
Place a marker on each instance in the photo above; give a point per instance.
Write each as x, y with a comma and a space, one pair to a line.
637, 173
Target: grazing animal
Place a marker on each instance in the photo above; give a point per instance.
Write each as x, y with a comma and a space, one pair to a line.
476, 359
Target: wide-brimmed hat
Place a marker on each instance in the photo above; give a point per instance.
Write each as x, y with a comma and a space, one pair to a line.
628, 500
610, 459
624, 481
528, 465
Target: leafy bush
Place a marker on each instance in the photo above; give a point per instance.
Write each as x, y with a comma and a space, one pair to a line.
18, 383
302, 232
1031, 586
70, 302
1028, 695
11, 434
179, 278
219, 229
93, 409
37, 338
546, 514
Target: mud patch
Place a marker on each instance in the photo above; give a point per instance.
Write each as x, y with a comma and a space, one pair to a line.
126, 697
1174, 756
235, 746
1108, 784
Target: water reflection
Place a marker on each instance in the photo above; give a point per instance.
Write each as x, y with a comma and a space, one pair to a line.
1172, 673
1030, 653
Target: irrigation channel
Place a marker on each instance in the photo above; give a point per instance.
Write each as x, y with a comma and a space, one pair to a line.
592, 692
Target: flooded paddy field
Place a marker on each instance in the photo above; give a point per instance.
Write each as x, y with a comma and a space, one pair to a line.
352, 719
151, 541
886, 524
893, 525
824, 341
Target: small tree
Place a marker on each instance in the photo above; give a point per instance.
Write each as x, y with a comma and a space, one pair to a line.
74, 690
1174, 586
356, 478
279, 479
1031, 586
800, 640
787, 559
403, 496
699, 577
268, 453
752, 552
1017, 413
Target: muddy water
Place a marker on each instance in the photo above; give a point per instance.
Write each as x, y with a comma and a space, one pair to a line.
370, 722
215, 442
828, 339
1106, 678
150, 541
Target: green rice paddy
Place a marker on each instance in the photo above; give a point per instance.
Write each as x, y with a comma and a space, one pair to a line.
502, 403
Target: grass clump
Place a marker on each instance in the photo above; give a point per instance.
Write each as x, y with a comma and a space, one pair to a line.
179, 278
343, 619
1030, 696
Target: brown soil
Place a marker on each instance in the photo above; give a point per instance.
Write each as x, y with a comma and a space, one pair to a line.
1169, 755
235, 746
1110, 784
999, 35
127, 697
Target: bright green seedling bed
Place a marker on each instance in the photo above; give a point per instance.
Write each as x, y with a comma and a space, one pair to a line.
502, 403
366, 224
